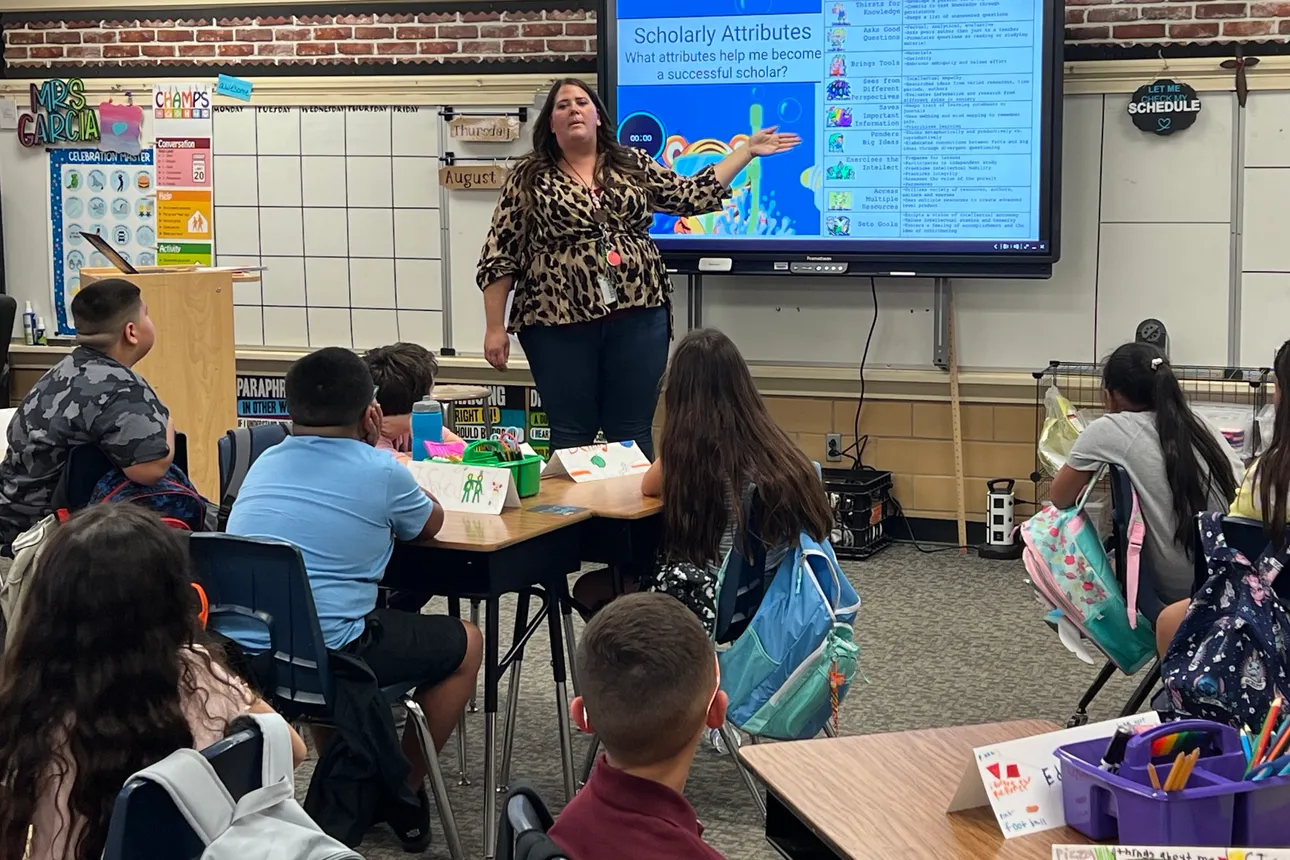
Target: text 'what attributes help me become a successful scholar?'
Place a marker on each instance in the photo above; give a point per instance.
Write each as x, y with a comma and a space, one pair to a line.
683, 46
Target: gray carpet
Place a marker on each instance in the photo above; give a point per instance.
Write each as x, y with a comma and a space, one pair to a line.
945, 640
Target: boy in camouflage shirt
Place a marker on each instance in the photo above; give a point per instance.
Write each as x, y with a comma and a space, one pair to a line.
90, 397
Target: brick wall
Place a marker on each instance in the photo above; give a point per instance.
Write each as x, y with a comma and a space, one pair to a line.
1100, 21
502, 36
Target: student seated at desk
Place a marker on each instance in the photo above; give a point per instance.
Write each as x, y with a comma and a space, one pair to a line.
1265, 492
108, 673
1177, 465
1264, 495
650, 684
91, 397
717, 439
328, 490
403, 373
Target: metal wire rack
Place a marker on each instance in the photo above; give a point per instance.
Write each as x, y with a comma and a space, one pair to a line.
1081, 384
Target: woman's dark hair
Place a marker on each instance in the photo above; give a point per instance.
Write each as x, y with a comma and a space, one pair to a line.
1272, 472
718, 437
546, 154
94, 675
1140, 374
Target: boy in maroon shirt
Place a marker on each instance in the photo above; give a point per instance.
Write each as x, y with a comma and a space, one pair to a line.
650, 686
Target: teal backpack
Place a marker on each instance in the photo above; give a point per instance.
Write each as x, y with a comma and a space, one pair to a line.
1072, 573
790, 668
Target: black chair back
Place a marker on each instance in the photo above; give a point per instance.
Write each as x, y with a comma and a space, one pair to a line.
86, 466
521, 832
8, 313
263, 583
238, 449
146, 825
745, 581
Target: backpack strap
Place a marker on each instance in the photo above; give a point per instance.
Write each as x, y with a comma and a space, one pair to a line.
239, 442
1088, 489
1133, 561
197, 791
278, 764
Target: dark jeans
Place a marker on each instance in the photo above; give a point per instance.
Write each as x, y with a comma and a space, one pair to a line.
600, 375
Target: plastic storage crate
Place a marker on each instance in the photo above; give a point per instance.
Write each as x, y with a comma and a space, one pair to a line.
863, 510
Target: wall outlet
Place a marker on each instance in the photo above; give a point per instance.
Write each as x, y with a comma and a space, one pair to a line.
833, 447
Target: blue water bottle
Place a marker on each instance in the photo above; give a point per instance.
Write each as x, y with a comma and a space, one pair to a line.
427, 426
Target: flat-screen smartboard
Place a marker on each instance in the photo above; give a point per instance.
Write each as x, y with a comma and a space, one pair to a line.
930, 129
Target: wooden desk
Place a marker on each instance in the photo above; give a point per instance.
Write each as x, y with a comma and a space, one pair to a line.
613, 498
878, 796
482, 557
489, 533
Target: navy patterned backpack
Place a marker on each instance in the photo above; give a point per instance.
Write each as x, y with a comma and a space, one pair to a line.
1228, 660
173, 497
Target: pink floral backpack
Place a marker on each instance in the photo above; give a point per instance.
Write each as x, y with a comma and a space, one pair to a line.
1070, 569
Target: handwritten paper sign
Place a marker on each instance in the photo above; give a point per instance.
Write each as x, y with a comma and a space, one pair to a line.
465, 488
597, 462
234, 88
1146, 852
487, 129
473, 177
1022, 779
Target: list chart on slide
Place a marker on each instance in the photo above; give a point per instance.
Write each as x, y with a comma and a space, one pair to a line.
920, 119
931, 116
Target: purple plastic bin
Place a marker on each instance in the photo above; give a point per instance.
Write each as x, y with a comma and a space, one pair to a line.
1105, 806
1220, 749
1263, 814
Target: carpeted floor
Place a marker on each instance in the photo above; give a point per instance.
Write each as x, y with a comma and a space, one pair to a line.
945, 640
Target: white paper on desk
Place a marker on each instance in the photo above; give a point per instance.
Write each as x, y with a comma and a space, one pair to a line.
1147, 852
465, 488
597, 462
1021, 780
8, 115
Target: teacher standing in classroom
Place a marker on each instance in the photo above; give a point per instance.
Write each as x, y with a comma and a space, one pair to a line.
570, 237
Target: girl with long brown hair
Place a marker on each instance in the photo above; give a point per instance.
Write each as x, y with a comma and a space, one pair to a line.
106, 675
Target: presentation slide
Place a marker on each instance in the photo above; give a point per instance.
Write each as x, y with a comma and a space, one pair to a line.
921, 121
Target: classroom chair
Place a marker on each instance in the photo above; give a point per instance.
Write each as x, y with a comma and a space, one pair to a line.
8, 313
146, 825
744, 588
521, 832
1149, 603
237, 450
1251, 539
266, 581
86, 466
241, 447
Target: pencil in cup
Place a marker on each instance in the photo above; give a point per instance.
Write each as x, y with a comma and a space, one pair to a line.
1181, 771
1269, 722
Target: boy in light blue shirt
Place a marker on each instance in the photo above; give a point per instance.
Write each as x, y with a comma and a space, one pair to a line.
329, 490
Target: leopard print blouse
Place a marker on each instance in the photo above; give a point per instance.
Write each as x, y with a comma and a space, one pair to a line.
550, 242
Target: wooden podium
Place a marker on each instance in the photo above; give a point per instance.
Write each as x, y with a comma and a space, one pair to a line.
192, 366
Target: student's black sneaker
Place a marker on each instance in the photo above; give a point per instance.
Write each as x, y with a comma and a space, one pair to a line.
412, 828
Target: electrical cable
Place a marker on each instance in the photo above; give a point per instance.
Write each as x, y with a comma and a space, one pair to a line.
861, 442
900, 512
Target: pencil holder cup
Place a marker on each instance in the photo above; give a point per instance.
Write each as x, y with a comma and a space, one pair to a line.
527, 474
1263, 813
485, 452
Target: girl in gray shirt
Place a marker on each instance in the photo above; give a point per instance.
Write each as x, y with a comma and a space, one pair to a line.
1177, 466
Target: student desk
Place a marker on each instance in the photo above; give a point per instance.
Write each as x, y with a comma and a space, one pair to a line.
880, 796
624, 528
483, 557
